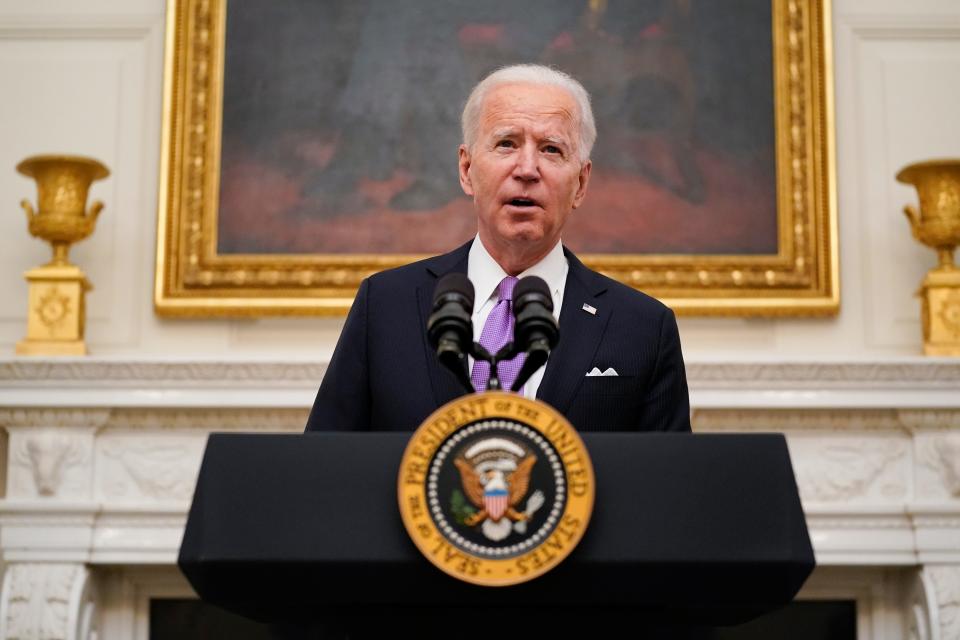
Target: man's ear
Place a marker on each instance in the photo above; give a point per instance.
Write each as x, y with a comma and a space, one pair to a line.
464, 161
584, 179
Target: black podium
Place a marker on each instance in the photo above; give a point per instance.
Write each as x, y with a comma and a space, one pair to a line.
691, 529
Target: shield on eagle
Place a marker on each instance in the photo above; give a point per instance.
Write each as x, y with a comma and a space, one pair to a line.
495, 502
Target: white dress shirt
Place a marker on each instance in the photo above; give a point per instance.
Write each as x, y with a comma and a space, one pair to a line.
486, 274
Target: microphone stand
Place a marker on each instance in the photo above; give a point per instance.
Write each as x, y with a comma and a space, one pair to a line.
537, 354
508, 352
454, 360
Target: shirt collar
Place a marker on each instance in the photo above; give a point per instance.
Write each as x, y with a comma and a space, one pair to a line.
486, 274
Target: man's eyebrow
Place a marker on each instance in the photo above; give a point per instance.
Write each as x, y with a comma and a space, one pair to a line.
556, 140
506, 132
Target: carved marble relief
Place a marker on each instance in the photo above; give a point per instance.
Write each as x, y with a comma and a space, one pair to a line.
946, 585
42, 602
53, 418
850, 469
921, 606
919, 420
789, 421
938, 459
152, 468
204, 420
50, 462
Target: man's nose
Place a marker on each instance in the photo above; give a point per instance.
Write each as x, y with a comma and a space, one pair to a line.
527, 168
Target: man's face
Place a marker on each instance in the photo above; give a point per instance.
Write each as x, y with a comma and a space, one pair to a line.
524, 171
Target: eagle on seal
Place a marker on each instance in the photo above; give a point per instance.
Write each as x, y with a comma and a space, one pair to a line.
494, 492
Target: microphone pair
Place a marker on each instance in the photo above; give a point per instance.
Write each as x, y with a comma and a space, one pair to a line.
450, 329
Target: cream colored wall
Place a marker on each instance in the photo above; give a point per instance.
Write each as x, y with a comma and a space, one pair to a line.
86, 78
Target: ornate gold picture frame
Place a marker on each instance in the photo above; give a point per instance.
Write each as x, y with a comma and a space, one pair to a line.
798, 276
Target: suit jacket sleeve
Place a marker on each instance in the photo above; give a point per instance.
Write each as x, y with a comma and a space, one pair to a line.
667, 402
343, 401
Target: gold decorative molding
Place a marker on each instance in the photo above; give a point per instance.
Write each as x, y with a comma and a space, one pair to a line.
193, 279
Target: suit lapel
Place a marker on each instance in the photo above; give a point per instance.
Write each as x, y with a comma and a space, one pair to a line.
443, 384
580, 335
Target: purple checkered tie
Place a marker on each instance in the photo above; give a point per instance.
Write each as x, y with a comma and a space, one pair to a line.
497, 332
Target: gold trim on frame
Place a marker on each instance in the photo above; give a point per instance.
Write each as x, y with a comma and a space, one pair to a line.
192, 280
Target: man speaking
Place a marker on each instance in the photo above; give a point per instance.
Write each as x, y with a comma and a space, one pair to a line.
525, 161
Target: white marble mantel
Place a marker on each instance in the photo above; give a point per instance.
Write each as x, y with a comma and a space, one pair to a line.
102, 453
903, 382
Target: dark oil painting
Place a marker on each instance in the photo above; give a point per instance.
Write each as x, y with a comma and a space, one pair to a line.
341, 121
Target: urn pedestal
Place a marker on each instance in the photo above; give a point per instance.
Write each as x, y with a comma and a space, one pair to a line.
937, 225
56, 309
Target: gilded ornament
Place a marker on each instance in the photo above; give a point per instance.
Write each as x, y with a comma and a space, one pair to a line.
937, 224
950, 312
56, 309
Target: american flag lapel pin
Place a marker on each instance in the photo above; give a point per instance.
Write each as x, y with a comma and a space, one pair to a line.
589, 309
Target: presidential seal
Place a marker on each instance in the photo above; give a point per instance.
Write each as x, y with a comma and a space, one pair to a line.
495, 489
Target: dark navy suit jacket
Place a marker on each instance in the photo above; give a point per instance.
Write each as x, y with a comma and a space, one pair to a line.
384, 376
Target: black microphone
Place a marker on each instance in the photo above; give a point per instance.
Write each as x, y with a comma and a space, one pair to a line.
450, 327
536, 331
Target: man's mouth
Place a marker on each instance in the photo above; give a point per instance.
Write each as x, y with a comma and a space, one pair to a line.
523, 202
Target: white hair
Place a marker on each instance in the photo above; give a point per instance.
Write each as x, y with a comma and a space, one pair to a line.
530, 74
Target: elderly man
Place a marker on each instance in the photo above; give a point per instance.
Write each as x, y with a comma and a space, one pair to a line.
525, 160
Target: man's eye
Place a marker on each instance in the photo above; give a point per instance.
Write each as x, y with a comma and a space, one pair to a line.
552, 149
505, 143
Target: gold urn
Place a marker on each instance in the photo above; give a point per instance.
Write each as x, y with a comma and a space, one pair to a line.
56, 308
937, 225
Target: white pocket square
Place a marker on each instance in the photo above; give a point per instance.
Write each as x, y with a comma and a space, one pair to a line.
596, 372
